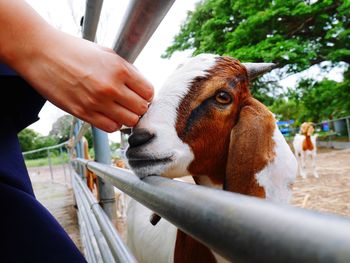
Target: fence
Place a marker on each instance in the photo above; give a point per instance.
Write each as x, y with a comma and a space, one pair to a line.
240, 228
331, 133
48, 150
334, 133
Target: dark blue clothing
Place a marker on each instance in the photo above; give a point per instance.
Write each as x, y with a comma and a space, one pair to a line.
28, 232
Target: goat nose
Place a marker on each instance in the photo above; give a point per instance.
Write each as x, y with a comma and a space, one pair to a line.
140, 137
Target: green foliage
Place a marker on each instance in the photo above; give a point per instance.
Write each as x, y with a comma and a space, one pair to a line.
114, 146
314, 101
31, 140
295, 34
27, 139
288, 32
287, 109
61, 128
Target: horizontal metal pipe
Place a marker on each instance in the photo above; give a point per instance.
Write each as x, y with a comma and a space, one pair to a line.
91, 18
139, 23
86, 240
240, 228
45, 148
118, 248
91, 221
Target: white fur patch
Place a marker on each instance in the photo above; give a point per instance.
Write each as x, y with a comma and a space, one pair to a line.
276, 177
160, 119
298, 143
149, 243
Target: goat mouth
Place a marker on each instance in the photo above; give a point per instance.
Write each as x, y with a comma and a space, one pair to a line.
144, 162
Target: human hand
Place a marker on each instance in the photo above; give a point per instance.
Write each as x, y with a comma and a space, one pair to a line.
89, 81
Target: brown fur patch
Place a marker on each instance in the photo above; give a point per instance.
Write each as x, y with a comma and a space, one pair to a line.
307, 143
251, 148
189, 250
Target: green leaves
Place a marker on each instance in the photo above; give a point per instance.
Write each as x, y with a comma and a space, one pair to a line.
296, 34
287, 32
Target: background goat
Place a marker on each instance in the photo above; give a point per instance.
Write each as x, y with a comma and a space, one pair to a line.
204, 122
305, 145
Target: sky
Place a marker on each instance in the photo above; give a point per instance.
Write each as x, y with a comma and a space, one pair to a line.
66, 14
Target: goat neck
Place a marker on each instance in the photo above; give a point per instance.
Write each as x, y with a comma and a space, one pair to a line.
307, 143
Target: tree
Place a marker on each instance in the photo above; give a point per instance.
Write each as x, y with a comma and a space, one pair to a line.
61, 128
323, 100
288, 32
295, 34
27, 139
31, 140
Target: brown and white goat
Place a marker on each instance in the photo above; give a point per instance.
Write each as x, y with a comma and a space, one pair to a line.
205, 123
305, 145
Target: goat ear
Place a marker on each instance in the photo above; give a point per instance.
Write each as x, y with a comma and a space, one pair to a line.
251, 148
254, 70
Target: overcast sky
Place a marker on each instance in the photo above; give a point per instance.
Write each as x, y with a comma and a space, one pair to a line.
66, 14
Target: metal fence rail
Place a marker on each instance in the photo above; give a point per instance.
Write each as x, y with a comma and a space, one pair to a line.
337, 133
98, 226
240, 228
45, 148
141, 20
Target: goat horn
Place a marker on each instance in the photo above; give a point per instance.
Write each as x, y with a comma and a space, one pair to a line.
254, 70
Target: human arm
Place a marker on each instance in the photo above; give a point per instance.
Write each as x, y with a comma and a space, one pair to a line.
80, 77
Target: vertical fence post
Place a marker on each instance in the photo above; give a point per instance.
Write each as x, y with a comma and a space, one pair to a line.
79, 150
106, 190
100, 138
50, 163
63, 165
348, 127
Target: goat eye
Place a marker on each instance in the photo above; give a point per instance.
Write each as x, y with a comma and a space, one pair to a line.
223, 97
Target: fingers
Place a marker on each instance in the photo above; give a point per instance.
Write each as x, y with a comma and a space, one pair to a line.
102, 122
130, 100
139, 84
132, 78
121, 115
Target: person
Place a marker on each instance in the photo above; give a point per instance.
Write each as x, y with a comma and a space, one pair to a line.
39, 63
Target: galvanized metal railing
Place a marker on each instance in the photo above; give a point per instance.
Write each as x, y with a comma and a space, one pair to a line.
238, 227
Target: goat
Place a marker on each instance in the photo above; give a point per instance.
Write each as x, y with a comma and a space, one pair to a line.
305, 144
91, 178
205, 123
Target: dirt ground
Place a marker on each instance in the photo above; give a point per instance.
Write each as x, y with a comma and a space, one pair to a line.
57, 196
331, 191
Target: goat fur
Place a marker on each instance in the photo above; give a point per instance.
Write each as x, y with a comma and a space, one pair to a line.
305, 146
